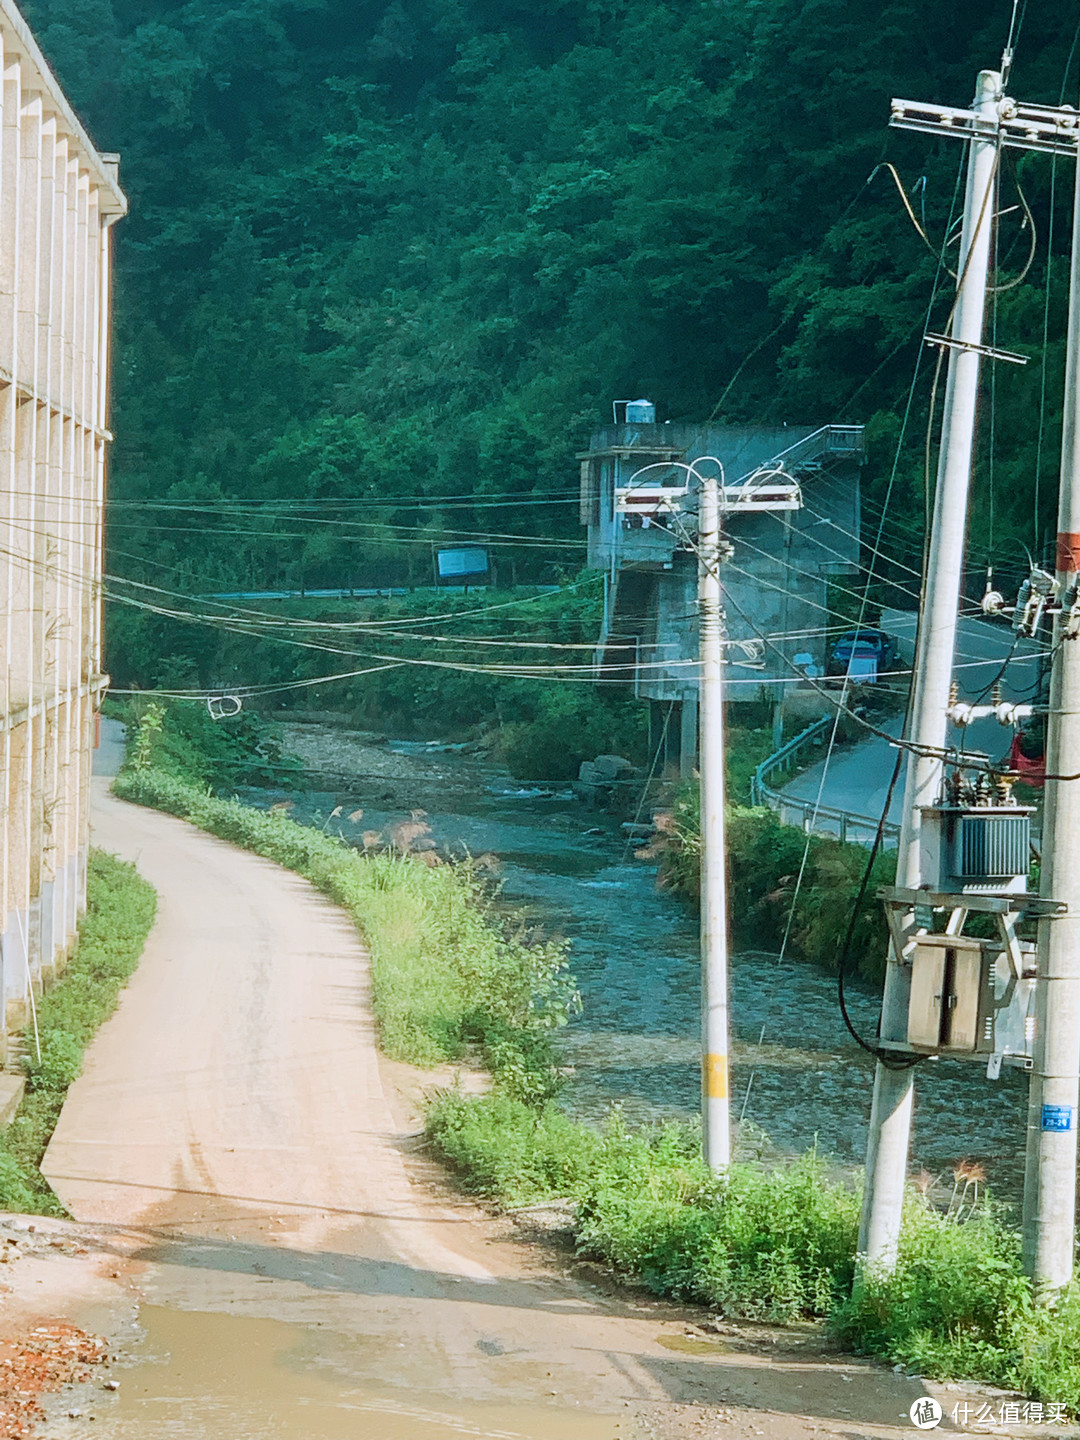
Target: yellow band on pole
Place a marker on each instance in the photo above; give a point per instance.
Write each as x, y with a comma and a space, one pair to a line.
715, 1067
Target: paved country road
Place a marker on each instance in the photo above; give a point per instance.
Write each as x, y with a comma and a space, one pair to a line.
856, 777
296, 1270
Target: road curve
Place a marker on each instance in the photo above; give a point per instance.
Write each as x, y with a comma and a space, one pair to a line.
296, 1275
239, 1078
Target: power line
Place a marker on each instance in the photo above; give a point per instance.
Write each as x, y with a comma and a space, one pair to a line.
416, 535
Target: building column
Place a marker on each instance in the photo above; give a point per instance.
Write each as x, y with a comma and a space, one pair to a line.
688, 735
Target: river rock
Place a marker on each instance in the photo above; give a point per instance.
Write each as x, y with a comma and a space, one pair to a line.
613, 767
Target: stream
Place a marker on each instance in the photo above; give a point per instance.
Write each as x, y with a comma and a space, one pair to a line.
797, 1076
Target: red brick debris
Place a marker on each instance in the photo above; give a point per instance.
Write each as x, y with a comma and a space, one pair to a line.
38, 1362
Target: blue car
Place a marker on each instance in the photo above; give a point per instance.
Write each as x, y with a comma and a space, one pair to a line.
865, 654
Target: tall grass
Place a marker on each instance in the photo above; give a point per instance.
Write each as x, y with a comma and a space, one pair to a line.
120, 909
448, 969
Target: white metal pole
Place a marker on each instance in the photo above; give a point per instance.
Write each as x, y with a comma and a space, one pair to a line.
714, 941
890, 1119
1050, 1185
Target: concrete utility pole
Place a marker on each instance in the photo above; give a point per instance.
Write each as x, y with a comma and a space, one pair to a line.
1050, 1181
716, 1122
890, 1119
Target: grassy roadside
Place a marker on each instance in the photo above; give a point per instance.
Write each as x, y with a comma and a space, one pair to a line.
776, 1244
119, 912
448, 971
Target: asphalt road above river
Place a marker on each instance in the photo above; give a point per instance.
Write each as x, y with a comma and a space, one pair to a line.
856, 777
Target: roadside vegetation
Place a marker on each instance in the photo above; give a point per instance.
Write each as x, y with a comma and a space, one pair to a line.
774, 1244
453, 976
765, 859
450, 971
186, 742
119, 912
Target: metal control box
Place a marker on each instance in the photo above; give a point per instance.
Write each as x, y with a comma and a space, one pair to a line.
967, 999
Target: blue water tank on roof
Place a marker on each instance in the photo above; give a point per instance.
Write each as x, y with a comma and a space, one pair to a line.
640, 412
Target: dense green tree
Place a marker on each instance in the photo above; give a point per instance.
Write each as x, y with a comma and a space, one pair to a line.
389, 250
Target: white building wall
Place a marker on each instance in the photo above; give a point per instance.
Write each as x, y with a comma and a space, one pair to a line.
58, 199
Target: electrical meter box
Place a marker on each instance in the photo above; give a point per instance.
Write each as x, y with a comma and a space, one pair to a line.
984, 849
968, 1000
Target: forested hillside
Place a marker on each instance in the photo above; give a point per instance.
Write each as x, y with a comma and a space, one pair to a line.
392, 253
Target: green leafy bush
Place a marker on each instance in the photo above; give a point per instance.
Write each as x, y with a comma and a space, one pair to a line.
120, 909
570, 724
960, 1306
745, 747
17, 1191
501, 1147
180, 738
61, 1056
775, 1245
447, 968
765, 857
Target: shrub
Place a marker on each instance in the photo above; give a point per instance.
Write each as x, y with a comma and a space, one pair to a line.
181, 739
570, 724
501, 1147
16, 1190
744, 750
764, 861
959, 1306
776, 1245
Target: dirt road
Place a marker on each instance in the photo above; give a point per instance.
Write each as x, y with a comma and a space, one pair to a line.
297, 1273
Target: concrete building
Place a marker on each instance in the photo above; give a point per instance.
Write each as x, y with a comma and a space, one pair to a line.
792, 517
58, 200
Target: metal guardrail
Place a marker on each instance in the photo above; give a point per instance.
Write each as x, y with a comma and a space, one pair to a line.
826, 440
760, 790
843, 825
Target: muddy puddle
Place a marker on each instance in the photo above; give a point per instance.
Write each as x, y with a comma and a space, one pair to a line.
206, 1376
797, 1074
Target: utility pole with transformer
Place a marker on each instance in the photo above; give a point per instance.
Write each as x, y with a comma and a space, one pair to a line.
964, 844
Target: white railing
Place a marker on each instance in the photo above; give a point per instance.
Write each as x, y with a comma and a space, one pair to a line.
809, 815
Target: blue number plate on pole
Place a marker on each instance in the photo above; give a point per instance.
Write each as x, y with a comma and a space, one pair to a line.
1057, 1117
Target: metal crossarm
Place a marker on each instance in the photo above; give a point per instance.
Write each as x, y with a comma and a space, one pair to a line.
1055, 130
988, 351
